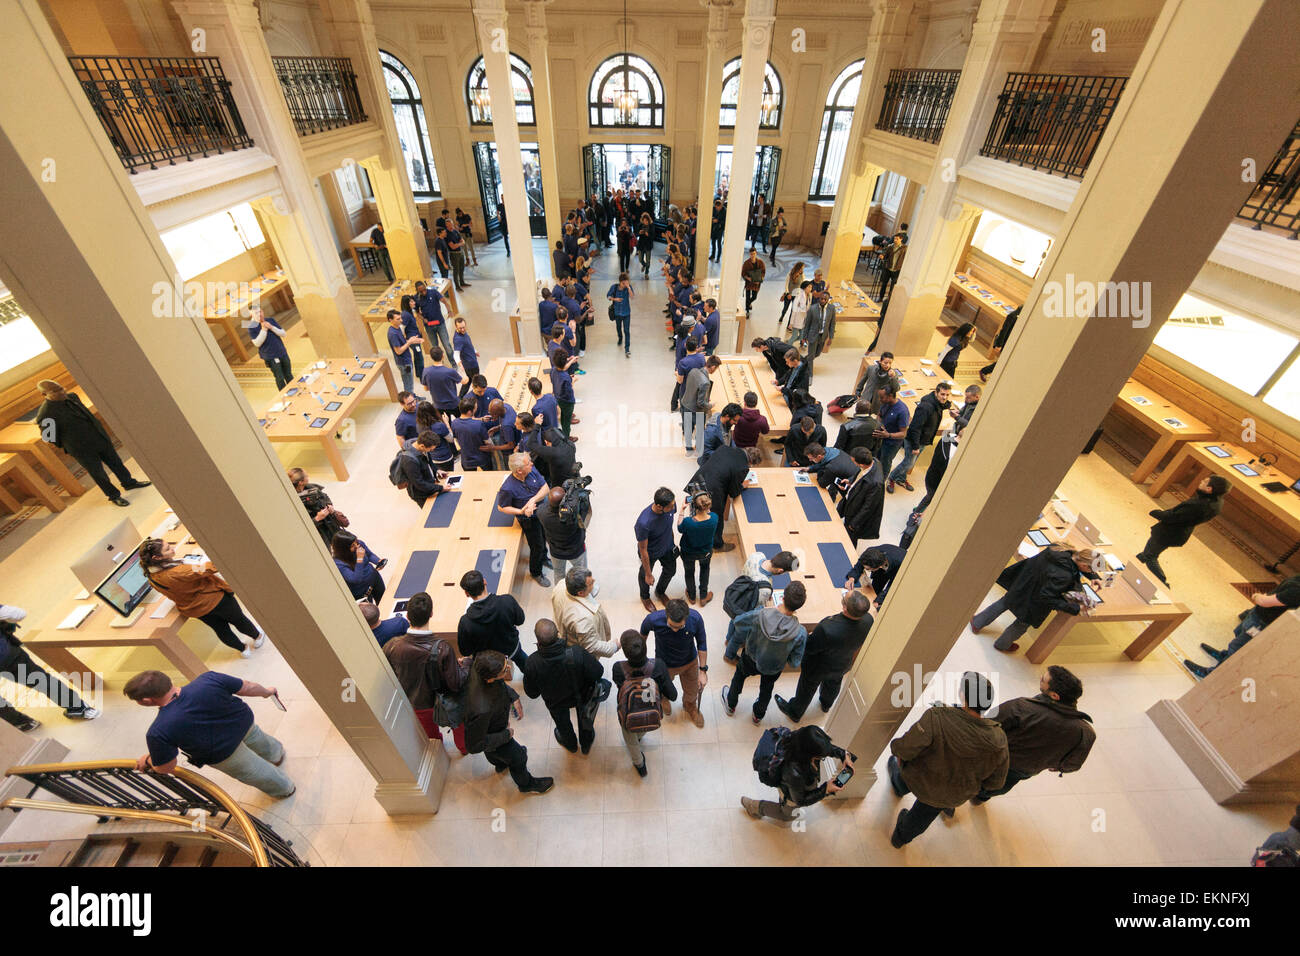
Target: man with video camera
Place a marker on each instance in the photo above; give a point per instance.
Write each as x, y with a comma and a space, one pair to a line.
564, 515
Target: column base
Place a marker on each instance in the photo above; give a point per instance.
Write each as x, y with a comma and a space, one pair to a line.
425, 794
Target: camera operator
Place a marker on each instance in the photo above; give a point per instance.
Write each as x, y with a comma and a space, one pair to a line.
556, 456
723, 477
564, 515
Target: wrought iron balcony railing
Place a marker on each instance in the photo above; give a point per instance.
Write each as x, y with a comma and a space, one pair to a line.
916, 103
161, 109
321, 92
1052, 121
1276, 200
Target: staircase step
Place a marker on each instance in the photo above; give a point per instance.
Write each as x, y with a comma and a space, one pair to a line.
231, 858
148, 855
190, 855
102, 853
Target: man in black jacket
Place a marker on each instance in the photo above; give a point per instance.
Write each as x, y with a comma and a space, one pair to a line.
1174, 525
566, 536
556, 456
67, 423
828, 656
882, 562
1044, 732
564, 676
417, 469
490, 623
1036, 587
860, 430
863, 504
925, 423
1000, 341
489, 702
834, 469
724, 476
800, 376
774, 350
803, 432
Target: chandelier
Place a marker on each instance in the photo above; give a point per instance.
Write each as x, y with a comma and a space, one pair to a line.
768, 107
627, 101
483, 103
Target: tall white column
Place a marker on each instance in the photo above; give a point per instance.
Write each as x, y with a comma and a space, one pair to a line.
757, 29
490, 16
539, 55
714, 42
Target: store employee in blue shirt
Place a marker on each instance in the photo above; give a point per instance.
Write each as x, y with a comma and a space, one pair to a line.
546, 410
407, 424
520, 494
411, 325
471, 435
681, 644
429, 302
546, 311
654, 543
268, 337
712, 326
402, 344
443, 384
483, 395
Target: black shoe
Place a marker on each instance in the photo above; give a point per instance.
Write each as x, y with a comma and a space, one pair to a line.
28, 724
1199, 672
572, 750
586, 748
538, 785
894, 841
825, 709
783, 706
137, 484
641, 769
895, 776
502, 769
466, 285
1215, 653
119, 501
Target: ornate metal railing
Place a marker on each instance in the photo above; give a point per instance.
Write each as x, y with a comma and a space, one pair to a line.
161, 109
321, 92
1052, 121
116, 785
1276, 199
916, 103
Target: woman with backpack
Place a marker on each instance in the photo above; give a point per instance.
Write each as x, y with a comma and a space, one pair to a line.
791, 761
643, 686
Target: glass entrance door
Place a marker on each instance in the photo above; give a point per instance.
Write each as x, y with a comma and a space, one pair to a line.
767, 167
645, 168
487, 166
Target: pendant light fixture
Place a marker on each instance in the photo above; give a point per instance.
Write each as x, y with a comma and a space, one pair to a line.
627, 102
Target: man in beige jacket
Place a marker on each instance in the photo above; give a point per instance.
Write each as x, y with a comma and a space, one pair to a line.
579, 616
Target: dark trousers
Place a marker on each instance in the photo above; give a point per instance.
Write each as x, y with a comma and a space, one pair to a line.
887, 285
750, 296
811, 682
689, 561
719, 502
443, 270
564, 725
21, 669
677, 392
281, 370
470, 372
566, 417
513, 755
776, 241
532, 529
458, 269
1013, 778
94, 460
506, 240
668, 565
417, 358
1150, 556
745, 668
624, 260
915, 821
228, 613
623, 326
385, 262
785, 305
715, 246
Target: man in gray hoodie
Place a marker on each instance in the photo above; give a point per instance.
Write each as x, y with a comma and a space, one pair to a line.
773, 637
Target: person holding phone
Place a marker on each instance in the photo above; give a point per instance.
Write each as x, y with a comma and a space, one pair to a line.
1036, 587
359, 566
795, 768
489, 704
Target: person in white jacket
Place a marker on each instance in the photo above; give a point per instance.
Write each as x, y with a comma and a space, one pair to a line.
799, 312
578, 614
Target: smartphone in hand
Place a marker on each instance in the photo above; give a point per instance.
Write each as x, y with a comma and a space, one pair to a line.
275, 699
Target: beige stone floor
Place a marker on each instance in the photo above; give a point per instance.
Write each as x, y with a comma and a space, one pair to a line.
687, 810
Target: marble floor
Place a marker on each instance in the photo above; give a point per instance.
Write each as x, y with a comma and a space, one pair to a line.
1133, 803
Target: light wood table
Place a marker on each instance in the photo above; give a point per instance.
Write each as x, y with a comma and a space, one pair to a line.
376, 314
1282, 506
467, 532
782, 515
294, 423
20, 473
740, 374
510, 376
1154, 413
915, 378
24, 438
852, 304
980, 295
358, 242
56, 648
228, 313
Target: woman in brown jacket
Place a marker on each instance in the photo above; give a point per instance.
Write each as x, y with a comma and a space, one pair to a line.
199, 593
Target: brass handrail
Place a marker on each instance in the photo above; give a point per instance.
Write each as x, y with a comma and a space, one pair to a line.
198, 782
21, 803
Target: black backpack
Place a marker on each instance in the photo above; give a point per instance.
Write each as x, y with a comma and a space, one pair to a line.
909, 532
769, 755
395, 473
741, 595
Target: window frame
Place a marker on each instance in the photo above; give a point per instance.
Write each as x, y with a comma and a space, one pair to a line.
829, 112
609, 67
413, 102
518, 66
769, 73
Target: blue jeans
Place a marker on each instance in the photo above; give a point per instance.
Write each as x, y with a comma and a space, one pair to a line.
888, 449
254, 763
623, 326
437, 333
408, 376
1240, 635
909, 456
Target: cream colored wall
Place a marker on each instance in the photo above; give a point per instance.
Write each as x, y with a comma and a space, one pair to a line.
1068, 46
290, 28
117, 27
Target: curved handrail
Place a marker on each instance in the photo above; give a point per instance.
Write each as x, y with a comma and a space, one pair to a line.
255, 847
21, 803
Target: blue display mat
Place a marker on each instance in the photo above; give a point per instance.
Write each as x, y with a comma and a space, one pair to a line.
838, 563
779, 581
416, 576
442, 510
489, 565
755, 503
814, 506
499, 519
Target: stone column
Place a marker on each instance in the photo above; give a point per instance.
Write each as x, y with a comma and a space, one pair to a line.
1165, 183
714, 41
166, 390
886, 38
756, 27
1004, 38
300, 232
540, 59
490, 17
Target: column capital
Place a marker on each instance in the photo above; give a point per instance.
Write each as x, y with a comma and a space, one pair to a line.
719, 14
490, 14
535, 20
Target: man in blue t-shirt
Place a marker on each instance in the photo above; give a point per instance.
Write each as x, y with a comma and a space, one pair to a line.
483, 395
654, 543
546, 410
402, 346
520, 494
681, 644
406, 425
471, 435
429, 301
546, 312
894, 419
443, 384
206, 722
712, 326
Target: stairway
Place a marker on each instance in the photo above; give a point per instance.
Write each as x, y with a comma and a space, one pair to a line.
140, 849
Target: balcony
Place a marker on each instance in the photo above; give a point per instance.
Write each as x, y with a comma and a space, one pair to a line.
1052, 121
916, 103
1275, 202
161, 109
321, 92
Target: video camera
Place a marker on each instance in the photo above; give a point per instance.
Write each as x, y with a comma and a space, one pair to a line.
693, 490
576, 504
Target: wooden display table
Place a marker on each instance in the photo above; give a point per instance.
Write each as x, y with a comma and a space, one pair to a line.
852, 304
510, 376
376, 314
740, 374
20, 473
304, 419
1283, 506
358, 242
978, 293
228, 313
456, 532
780, 514
56, 647
1153, 412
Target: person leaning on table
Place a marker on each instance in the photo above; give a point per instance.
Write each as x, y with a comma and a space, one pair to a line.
199, 592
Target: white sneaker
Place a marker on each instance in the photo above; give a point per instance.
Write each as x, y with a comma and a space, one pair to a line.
246, 653
261, 639
577, 401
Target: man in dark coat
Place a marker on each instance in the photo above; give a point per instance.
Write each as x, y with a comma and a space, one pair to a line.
723, 474
859, 431
881, 562
489, 702
800, 376
1174, 525
774, 350
1035, 588
863, 504
564, 676
924, 425
803, 432
491, 622
834, 469
1044, 732
66, 422
828, 656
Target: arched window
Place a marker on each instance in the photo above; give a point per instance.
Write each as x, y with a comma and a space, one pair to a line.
521, 81
834, 139
412, 130
625, 91
769, 116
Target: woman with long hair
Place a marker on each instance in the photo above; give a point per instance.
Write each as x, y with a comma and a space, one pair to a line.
358, 566
645, 243
624, 242
956, 342
428, 419
697, 525
792, 283
201, 593
412, 327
